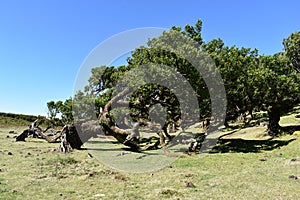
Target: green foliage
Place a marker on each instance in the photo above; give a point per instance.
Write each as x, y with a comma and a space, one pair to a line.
158, 95
280, 83
19, 116
194, 32
236, 66
166, 50
279, 88
52, 109
10, 119
292, 49
103, 81
104, 78
98, 92
84, 106
252, 82
62, 108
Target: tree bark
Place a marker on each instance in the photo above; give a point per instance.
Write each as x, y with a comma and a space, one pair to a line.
22, 136
73, 136
109, 126
274, 118
33, 130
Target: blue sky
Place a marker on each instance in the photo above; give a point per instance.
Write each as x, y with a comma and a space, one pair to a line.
44, 43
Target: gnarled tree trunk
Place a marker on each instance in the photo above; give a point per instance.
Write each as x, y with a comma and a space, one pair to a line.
130, 136
274, 118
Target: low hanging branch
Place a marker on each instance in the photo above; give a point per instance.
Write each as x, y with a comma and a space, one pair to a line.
130, 136
73, 136
110, 127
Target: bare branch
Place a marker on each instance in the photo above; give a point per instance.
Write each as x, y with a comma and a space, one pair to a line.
107, 107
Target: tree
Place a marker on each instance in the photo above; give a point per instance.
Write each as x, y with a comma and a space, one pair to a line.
278, 88
62, 108
236, 66
112, 86
127, 97
255, 83
66, 111
52, 109
292, 49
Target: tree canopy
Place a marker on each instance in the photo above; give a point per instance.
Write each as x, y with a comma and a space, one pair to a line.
252, 82
292, 49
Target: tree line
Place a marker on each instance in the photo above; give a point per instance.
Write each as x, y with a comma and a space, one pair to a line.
253, 82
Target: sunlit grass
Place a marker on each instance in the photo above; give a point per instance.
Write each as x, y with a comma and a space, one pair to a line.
35, 170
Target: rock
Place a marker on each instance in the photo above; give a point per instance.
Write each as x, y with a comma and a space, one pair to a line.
278, 154
99, 195
9, 153
297, 115
293, 177
92, 174
263, 159
189, 184
262, 124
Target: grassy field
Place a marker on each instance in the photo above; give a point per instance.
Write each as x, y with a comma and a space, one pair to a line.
246, 164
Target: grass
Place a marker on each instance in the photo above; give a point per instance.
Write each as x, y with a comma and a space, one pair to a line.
35, 170
15, 119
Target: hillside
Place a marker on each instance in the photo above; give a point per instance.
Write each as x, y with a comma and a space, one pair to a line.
10, 119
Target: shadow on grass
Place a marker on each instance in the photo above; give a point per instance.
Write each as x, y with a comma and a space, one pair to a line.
289, 129
247, 146
231, 145
252, 123
292, 111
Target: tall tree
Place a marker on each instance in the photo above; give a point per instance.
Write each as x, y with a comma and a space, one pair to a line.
292, 49
277, 86
52, 109
236, 66
255, 83
252, 83
62, 110
112, 85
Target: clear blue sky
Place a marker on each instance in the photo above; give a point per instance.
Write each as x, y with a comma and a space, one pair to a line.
43, 43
